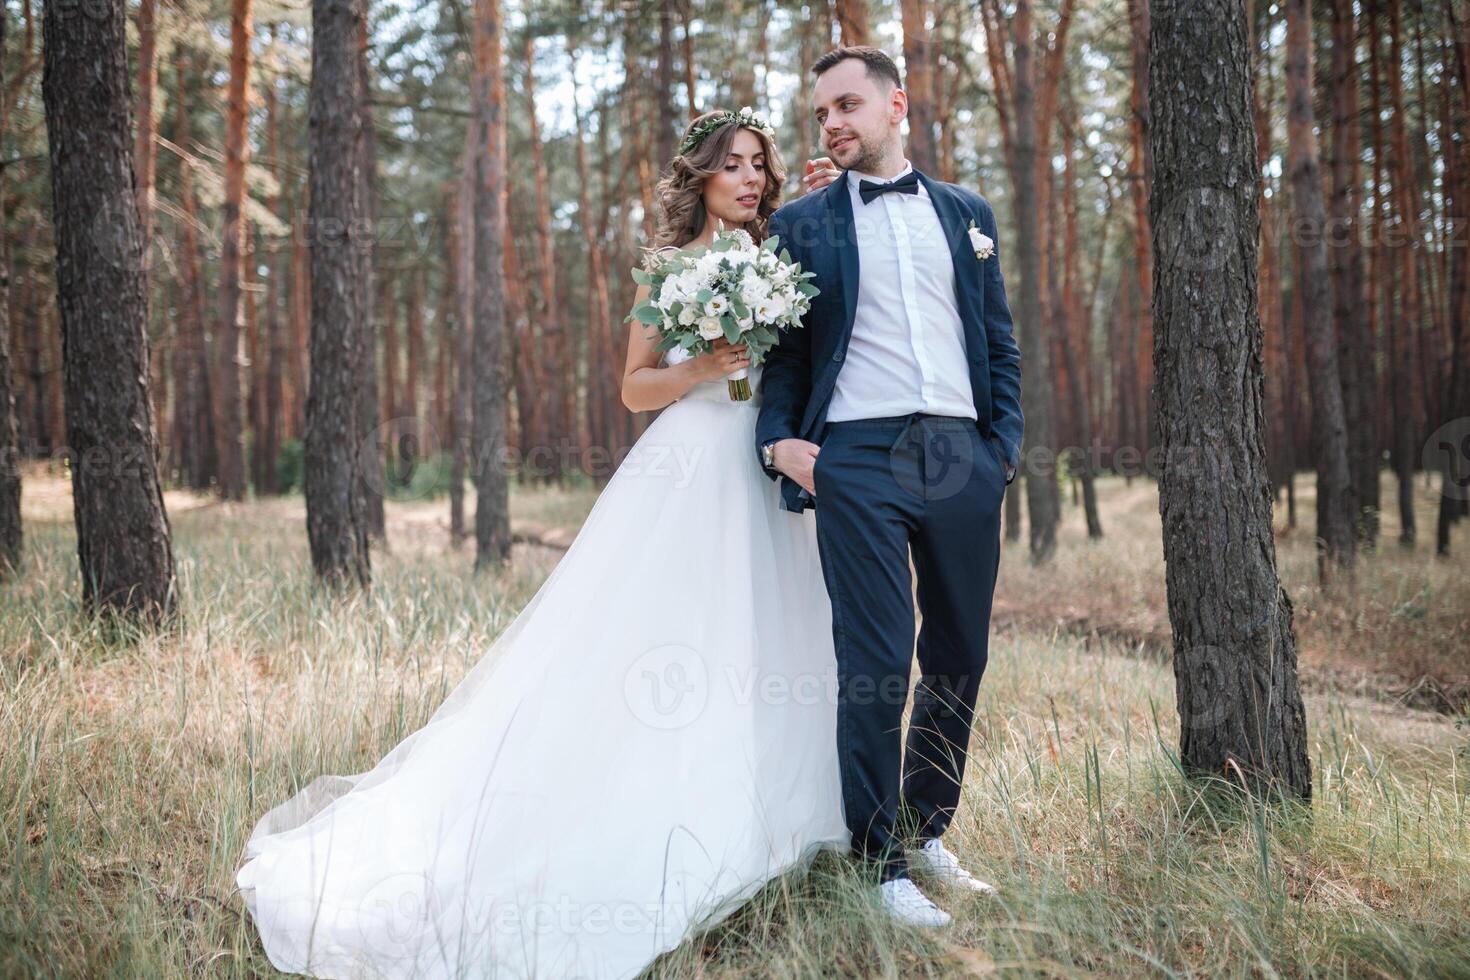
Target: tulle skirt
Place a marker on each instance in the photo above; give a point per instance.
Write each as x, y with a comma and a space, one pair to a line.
647, 743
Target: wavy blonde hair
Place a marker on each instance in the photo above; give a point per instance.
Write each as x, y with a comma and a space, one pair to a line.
679, 194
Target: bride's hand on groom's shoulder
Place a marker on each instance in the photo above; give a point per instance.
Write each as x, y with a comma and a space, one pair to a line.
819, 173
797, 458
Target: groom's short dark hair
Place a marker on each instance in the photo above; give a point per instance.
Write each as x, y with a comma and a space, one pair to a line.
880, 67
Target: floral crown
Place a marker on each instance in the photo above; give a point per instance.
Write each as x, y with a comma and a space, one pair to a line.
746, 118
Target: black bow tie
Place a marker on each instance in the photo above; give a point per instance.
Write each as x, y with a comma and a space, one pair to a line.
907, 184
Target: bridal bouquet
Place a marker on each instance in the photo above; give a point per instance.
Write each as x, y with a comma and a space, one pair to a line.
733, 289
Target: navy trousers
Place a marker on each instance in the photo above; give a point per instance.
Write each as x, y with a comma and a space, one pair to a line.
884, 486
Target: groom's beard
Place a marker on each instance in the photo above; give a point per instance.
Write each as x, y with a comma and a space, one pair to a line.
869, 156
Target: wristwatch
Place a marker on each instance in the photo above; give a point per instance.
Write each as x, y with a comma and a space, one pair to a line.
768, 454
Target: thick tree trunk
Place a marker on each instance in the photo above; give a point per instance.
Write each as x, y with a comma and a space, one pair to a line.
123, 538
1234, 649
336, 511
492, 503
1335, 508
228, 390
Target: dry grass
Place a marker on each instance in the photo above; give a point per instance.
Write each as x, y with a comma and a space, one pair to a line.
131, 767
1402, 634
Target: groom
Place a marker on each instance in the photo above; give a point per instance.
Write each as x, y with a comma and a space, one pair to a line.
895, 413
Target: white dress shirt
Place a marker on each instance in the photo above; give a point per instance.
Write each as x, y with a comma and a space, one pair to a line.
907, 352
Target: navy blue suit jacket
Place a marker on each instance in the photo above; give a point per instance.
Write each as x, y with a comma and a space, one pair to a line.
801, 370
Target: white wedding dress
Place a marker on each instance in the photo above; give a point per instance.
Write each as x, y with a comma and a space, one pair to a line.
647, 743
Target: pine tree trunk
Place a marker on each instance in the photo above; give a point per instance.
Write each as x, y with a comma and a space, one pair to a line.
1454, 461
691, 94
369, 397
297, 362
387, 309
668, 118
1074, 325
852, 21
492, 505
336, 510
1335, 508
919, 83
1280, 450
1380, 273
228, 389
11, 540
1353, 342
555, 341
1140, 178
193, 422
1402, 336
462, 257
144, 155
123, 538
255, 356
1234, 649
603, 373
1042, 503
413, 325
268, 437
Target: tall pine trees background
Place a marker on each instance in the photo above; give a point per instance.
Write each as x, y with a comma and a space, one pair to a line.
371, 250
1042, 105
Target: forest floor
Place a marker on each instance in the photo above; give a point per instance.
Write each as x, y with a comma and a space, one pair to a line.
132, 766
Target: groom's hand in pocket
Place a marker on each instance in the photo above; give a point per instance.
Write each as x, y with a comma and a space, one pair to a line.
796, 458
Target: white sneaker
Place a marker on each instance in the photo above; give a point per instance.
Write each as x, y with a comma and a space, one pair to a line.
902, 899
935, 860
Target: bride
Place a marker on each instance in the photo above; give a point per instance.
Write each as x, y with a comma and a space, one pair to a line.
647, 743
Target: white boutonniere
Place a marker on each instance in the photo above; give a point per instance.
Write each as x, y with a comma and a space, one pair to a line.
983, 245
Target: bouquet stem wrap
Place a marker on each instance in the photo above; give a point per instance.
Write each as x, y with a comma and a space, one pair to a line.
739, 385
